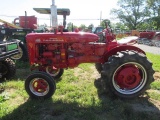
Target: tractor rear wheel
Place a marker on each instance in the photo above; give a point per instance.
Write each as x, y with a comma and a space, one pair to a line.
40, 85
8, 68
98, 66
128, 74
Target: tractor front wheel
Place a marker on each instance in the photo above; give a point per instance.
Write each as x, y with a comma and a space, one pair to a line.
40, 85
128, 74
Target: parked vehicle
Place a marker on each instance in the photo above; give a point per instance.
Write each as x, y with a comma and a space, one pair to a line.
98, 31
150, 38
24, 25
124, 68
7, 65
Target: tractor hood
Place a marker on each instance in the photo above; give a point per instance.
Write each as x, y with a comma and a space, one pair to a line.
63, 37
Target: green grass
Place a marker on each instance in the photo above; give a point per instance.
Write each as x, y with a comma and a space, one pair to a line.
155, 85
79, 96
155, 95
155, 59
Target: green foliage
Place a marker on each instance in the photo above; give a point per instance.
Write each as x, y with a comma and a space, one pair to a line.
105, 22
154, 6
154, 95
3, 97
90, 26
155, 22
71, 26
155, 60
82, 27
131, 12
156, 85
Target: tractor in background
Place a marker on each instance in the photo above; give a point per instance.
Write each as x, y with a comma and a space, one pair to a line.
104, 33
124, 68
98, 31
7, 65
151, 38
22, 26
18, 30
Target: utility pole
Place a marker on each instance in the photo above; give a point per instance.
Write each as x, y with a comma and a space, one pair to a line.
100, 17
54, 15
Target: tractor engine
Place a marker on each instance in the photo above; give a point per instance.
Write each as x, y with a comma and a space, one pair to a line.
64, 50
49, 54
62, 55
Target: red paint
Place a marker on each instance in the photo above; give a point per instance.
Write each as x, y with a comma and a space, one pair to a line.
69, 49
26, 22
39, 85
128, 77
149, 35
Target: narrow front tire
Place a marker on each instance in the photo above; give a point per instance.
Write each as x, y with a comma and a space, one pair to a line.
40, 85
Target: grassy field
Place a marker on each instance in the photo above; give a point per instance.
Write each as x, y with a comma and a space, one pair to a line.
78, 97
155, 60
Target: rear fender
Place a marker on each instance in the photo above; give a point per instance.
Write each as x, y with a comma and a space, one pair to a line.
113, 51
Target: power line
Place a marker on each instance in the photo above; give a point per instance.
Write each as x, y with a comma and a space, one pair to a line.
8, 16
49, 19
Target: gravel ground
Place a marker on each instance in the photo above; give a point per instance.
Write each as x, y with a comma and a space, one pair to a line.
150, 49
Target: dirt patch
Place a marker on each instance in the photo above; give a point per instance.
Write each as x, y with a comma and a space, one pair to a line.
93, 74
157, 76
156, 103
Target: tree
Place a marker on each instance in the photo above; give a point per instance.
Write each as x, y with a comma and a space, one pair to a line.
154, 7
82, 27
119, 27
103, 23
131, 12
90, 26
71, 27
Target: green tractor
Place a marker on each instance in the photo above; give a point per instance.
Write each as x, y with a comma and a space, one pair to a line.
24, 25
7, 65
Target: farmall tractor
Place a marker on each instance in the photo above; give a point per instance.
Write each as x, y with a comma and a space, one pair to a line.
124, 68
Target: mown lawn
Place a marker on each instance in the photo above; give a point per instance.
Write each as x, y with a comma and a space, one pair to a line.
79, 96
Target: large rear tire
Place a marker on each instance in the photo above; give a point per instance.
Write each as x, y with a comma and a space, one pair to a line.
98, 67
8, 69
40, 85
128, 74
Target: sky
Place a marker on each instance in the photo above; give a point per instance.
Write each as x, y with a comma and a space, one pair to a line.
79, 9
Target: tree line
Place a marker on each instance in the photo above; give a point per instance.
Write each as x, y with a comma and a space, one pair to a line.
133, 15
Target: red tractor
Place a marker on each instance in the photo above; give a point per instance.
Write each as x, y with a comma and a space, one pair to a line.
124, 68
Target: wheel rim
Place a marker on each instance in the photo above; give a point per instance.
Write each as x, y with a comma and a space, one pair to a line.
19, 55
39, 87
129, 78
52, 72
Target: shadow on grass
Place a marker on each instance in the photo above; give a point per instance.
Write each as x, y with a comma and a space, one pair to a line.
138, 108
109, 108
50, 110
